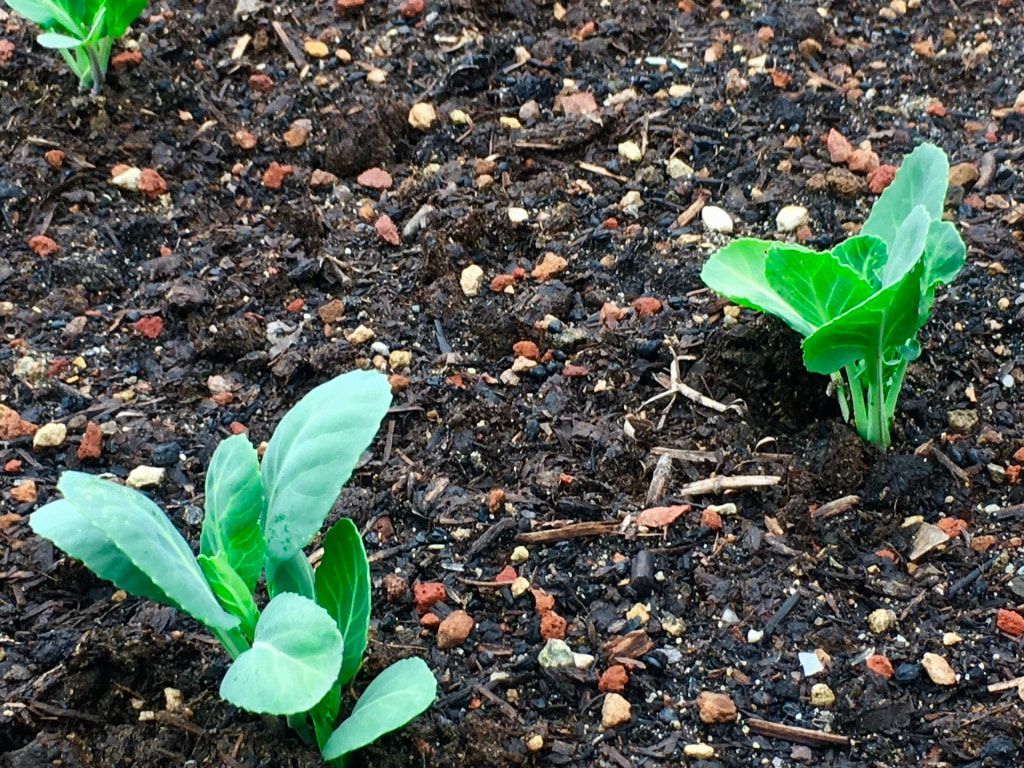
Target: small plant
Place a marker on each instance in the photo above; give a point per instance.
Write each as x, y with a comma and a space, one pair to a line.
296, 656
860, 305
82, 30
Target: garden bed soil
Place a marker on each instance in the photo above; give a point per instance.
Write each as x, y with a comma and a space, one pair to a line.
224, 276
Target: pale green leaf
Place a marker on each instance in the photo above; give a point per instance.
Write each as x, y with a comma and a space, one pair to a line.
141, 533
945, 254
865, 255
59, 41
907, 246
293, 662
396, 696
814, 284
234, 504
70, 530
922, 179
313, 452
343, 588
873, 332
233, 593
738, 273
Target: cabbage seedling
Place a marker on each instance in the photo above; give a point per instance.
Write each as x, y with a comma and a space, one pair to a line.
860, 305
83, 31
294, 657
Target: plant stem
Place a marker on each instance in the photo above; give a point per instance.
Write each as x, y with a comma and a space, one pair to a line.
840, 387
96, 68
299, 723
233, 640
857, 398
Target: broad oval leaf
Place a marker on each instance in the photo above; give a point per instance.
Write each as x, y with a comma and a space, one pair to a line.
889, 320
945, 254
47, 14
814, 284
233, 593
121, 15
907, 246
738, 273
60, 522
865, 255
922, 179
293, 662
58, 41
292, 575
141, 533
396, 696
343, 589
312, 454
234, 504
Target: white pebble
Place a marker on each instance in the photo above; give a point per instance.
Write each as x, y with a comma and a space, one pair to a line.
716, 219
791, 218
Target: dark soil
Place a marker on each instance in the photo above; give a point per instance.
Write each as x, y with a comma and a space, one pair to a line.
223, 259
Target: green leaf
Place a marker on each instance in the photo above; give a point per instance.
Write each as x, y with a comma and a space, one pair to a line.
233, 593
945, 254
234, 504
738, 273
48, 14
343, 588
396, 696
871, 332
313, 452
325, 715
292, 575
62, 524
907, 246
814, 284
293, 662
59, 41
122, 14
921, 180
865, 255
136, 529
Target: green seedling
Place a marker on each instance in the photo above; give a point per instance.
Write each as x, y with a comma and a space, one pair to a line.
859, 306
296, 656
83, 31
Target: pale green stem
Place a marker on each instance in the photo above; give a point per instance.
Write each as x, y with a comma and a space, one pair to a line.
233, 640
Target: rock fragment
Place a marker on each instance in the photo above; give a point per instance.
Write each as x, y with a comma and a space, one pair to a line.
50, 435
454, 630
615, 711
716, 707
145, 476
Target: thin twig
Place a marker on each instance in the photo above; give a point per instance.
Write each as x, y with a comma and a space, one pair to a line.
834, 508
736, 483
568, 532
799, 735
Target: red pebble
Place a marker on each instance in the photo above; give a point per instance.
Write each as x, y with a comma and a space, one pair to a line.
412, 8
42, 245
507, 575
261, 83
1010, 622
552, 626
91, 446
646, 306
880, 178
501, 282
430, 621
151, 327
613, 680
526, 349
426, 594
711, 519
880, 665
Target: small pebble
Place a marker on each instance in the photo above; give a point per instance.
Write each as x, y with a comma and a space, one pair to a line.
716, 219
50, 435
630, 150
791, 218
144, 476
471, 280
822, 696
615, 711
519, 555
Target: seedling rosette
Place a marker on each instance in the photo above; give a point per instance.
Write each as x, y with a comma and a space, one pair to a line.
296, 656
859, 306
82, 31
